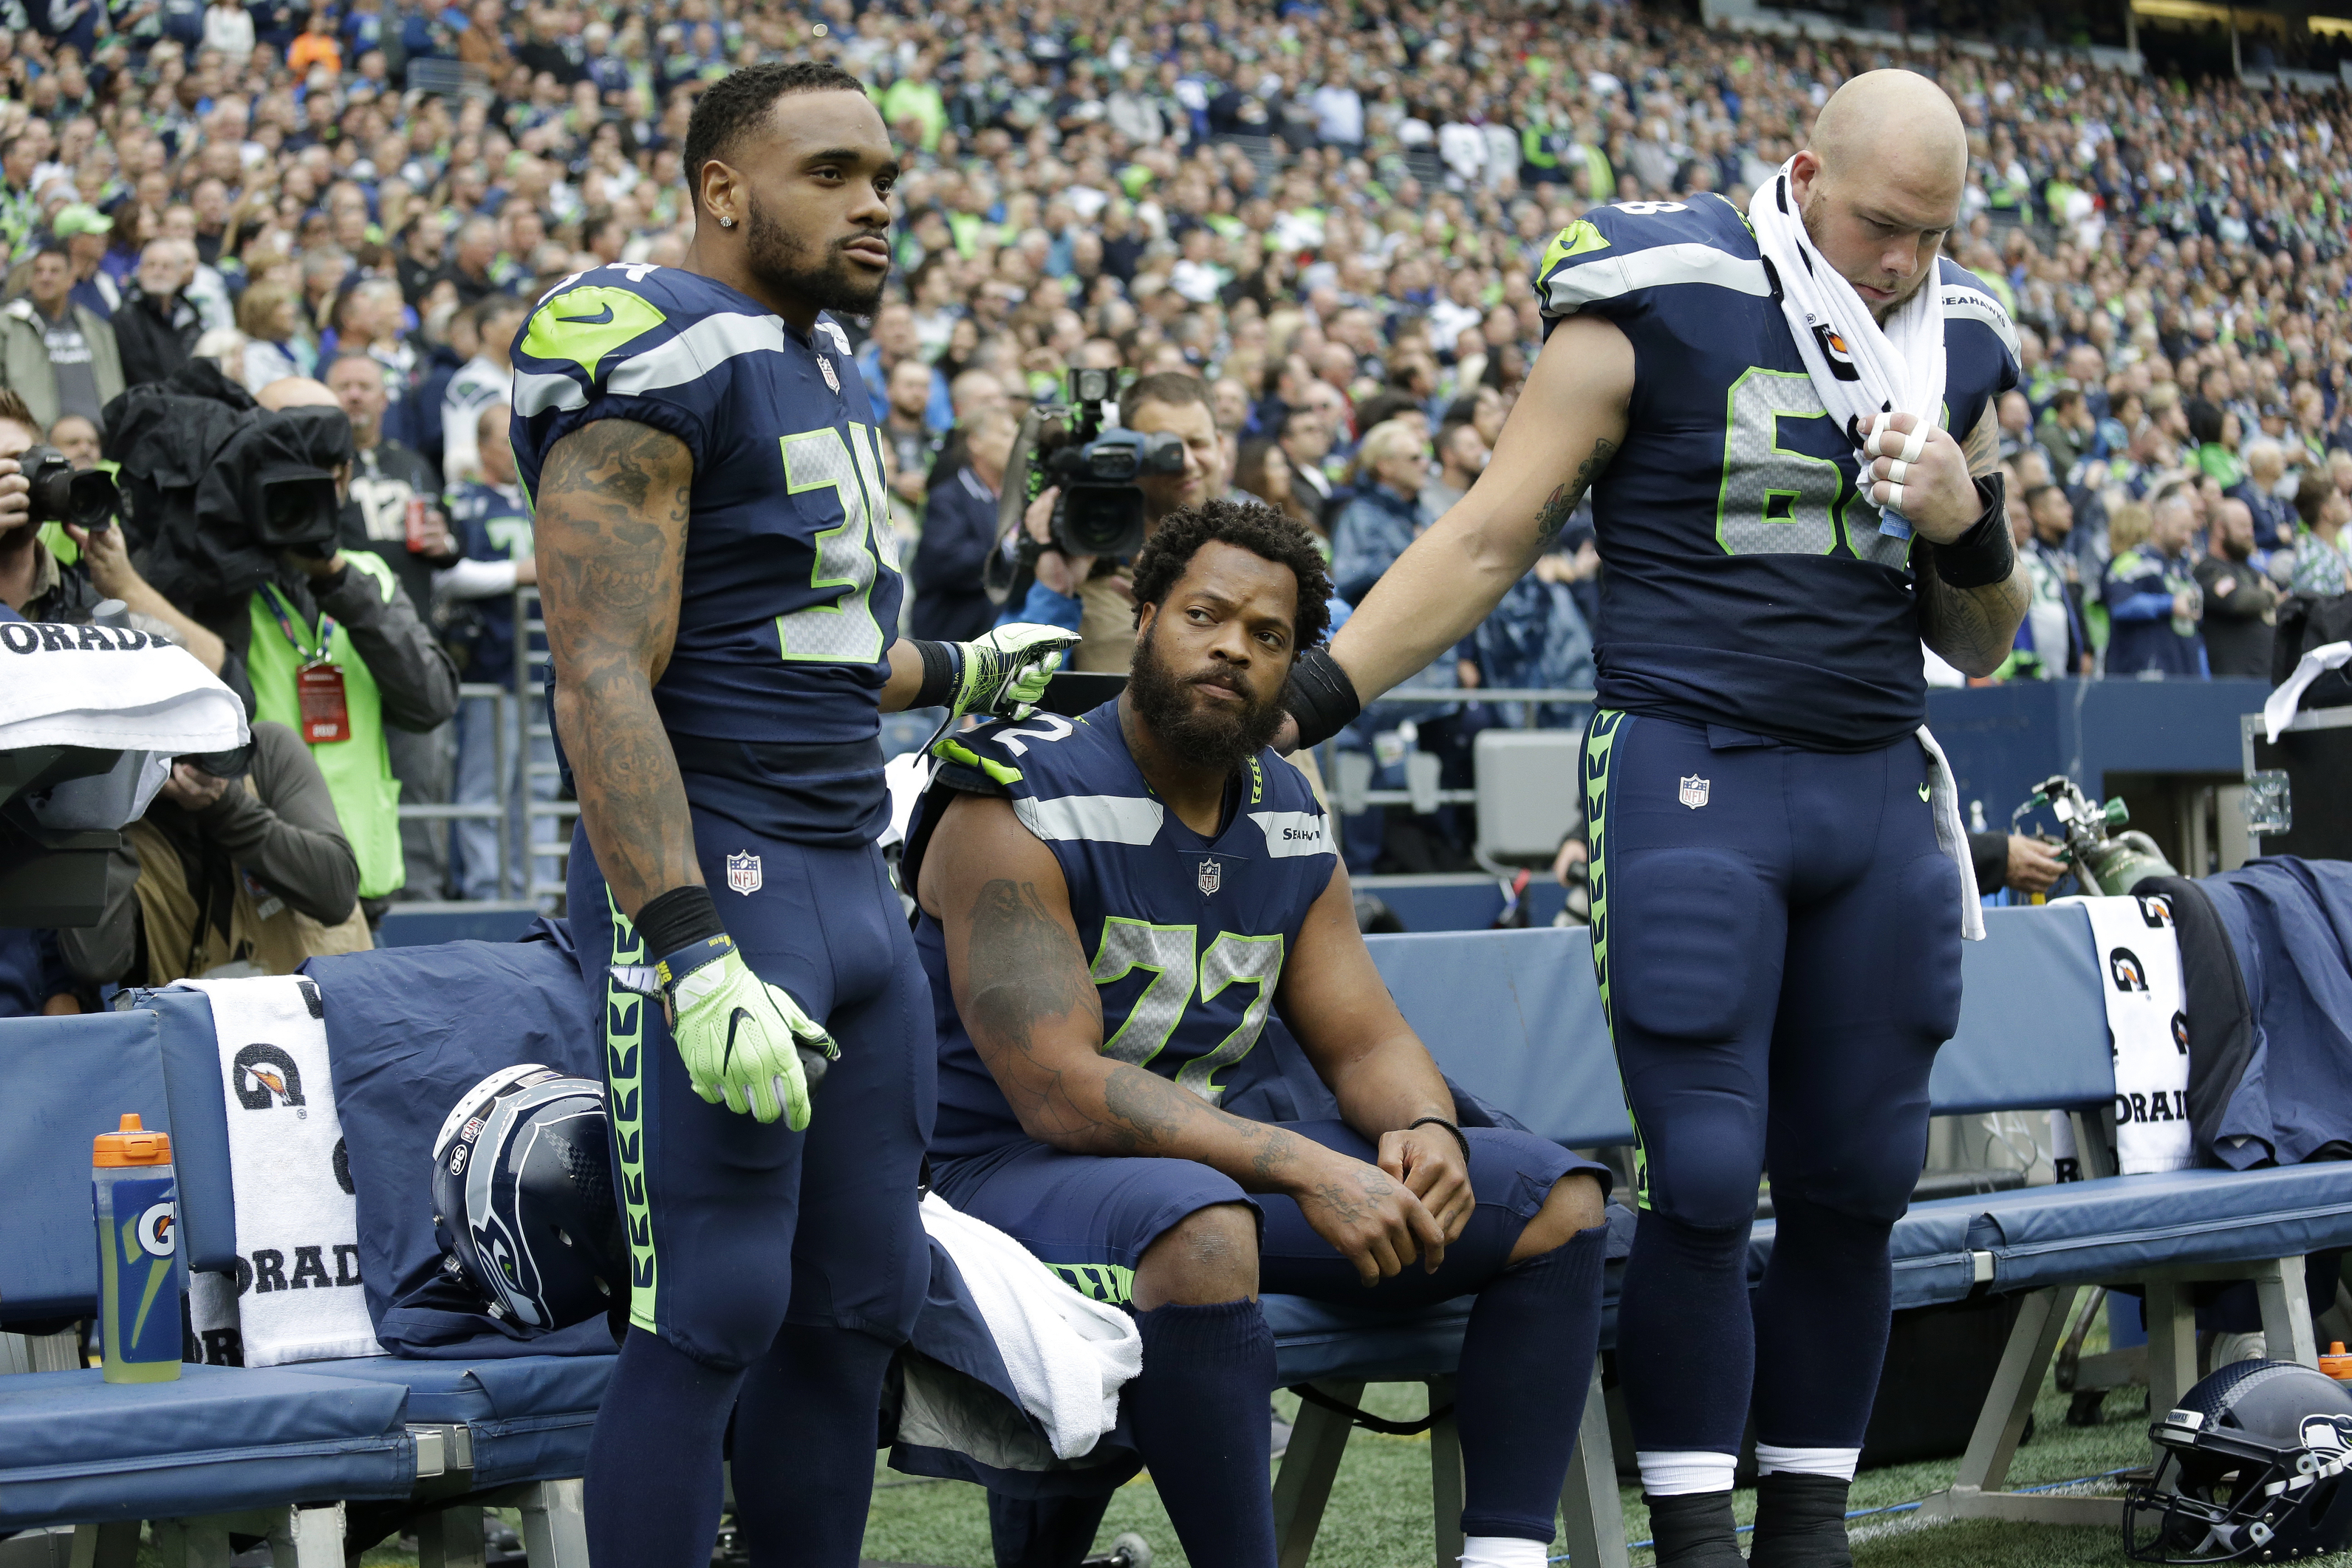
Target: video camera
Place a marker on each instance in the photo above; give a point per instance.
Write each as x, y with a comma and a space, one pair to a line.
1080, 447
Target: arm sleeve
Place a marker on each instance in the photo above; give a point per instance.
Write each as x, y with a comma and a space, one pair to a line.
470, 579
418, 682
285, 831
1043, 607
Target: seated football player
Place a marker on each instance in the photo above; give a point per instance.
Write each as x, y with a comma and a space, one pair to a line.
1111, 908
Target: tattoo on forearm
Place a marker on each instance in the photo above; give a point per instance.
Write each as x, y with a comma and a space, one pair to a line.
611, 516
1972, 628
1553, 515
1982, 448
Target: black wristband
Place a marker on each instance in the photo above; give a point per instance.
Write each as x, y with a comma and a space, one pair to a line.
1987, 553
1459, 1136
1320, 696
676, 919
942, 667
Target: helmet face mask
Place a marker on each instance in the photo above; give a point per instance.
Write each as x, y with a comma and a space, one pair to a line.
2255, 1468
523, 1202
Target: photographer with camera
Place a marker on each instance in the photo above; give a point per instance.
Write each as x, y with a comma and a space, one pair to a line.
322, 641
239, 860
38, 488
1104, 487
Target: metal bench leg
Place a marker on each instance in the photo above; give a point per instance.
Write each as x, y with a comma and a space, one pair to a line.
1976, 1490
315, 1533
106, 1545
2171, 1344
2286, 1312
451, 1538
1446, 1474
1591, 1510
555, 1526
191, 1543
1303, 1485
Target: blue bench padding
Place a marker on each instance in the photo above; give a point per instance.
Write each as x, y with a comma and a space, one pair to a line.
79, 1450
67, 1080
1321, 1339
1930, 1247
529, 1416
1515, 1018
2033, 1020
191, 1076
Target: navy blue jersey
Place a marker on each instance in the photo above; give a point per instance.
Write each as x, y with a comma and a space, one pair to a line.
1748, 584
791, 587
491, 523
1186, 935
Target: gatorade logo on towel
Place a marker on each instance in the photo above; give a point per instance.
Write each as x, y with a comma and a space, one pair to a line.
2148, 1031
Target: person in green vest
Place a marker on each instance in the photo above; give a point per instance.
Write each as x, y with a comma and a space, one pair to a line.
914, 96
333, 649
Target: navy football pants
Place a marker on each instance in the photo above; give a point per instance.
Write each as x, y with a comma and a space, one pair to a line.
1777, 939
798, 1256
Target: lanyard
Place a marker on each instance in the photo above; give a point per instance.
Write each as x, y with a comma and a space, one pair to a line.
285, 613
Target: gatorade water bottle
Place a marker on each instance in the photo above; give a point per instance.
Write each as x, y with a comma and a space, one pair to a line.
140, 1279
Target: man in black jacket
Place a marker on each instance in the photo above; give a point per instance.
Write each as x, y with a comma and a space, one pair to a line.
2240, 604
959, 530
156, 329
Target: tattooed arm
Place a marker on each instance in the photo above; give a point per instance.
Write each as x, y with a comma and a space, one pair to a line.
1971, 628
611, 510
1568, 424
1022, 989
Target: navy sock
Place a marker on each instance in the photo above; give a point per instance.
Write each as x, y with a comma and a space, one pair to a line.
1686, 1343
1199, 1416
1526, 1362
805, 1440
1821, 1316
653, 1487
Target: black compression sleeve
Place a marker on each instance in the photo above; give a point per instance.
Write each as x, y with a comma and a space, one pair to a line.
942, 664
1987, 553
1320, 696
678, 918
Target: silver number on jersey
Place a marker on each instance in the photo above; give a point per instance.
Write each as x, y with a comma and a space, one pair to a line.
1775, 500
1167, 952
1233, 960
849, 557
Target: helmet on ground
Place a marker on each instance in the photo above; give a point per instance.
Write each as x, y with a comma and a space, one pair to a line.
2254, 1469
522, 1197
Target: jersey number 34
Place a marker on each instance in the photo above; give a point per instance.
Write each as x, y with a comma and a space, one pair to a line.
850, 557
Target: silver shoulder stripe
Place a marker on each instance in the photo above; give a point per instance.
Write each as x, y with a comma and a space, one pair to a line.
1573, 287
1095, 818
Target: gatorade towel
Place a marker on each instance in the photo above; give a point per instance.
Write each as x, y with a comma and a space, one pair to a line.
2148, 1029
298, 1295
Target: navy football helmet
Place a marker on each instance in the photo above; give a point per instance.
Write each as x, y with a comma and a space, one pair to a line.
2254, 1468
522, 1198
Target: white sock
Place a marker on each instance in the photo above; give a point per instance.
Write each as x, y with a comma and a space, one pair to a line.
1834, 1462
1501, 1552
1676, 1472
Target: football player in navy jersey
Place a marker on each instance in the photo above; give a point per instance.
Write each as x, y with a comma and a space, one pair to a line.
1116, 911
721, 589
1777, 918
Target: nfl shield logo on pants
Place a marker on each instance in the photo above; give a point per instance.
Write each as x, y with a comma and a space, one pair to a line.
1694, 794
1213, 877
743, 873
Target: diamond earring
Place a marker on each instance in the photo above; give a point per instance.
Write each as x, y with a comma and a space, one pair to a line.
727, 223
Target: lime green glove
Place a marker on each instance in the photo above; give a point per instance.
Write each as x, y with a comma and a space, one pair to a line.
741, 1037
1005, 672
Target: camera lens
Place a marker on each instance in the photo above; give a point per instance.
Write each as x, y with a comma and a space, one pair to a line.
90, 498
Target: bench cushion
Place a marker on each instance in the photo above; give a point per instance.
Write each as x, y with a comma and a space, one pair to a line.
1315, 1340
74, 1449
2108, 1228
528, 1417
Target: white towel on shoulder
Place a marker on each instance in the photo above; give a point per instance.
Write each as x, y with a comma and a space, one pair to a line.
1068, 1357
1860, 368
298, 1295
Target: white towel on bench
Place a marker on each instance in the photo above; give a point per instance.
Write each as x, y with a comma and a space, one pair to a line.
298, 1295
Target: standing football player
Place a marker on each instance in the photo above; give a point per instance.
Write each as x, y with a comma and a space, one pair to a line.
721, 589
1779, 887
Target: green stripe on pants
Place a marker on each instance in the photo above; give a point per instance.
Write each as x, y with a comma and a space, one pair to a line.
1600, 745
625, 1075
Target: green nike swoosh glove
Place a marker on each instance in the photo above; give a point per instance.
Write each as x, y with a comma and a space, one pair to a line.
742, 1039
1004, 673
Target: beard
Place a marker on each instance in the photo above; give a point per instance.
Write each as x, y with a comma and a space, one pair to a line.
823, 279
1212, 736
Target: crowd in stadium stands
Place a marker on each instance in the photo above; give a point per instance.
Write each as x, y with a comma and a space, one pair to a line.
1332, 214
